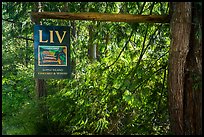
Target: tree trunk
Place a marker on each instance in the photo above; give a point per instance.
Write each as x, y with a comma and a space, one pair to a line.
92, 45
180, 33
184, 77
193, 73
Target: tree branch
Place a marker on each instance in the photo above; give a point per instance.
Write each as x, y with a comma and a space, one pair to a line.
21, 37
143, 51
127, 41
120, 52
102, 17
163, 67
8, 20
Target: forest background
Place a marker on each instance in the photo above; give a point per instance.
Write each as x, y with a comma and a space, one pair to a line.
119, 72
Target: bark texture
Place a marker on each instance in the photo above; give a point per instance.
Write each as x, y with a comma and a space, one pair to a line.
180, 34
185, 71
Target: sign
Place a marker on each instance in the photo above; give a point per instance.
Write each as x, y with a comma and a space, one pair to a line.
52, 52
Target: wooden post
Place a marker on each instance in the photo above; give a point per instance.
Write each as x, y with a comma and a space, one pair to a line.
39, 83
103, 17
40, 88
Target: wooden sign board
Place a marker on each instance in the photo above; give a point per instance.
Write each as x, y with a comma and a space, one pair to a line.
52, 52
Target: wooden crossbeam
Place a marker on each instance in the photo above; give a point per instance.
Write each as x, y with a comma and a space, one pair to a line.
102, 17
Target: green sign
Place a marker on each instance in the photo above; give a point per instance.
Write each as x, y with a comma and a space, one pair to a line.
52, 52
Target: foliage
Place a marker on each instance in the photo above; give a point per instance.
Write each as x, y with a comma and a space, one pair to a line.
122, 92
